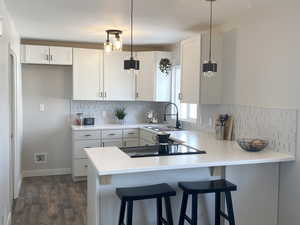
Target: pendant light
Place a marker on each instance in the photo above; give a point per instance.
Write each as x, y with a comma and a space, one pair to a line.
117, 44
131, 64
210, 67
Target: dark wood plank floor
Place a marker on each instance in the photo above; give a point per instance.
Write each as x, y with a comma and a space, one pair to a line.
52, 200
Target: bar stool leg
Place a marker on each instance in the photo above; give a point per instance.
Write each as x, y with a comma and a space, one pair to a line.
194, 209
129, 213
168, 210
122, 212
217, 208
159, 210
183, 208
230, 208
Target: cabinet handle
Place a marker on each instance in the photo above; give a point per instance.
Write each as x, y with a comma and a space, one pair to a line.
101, 94
51, 57
112, 134
136, 94
85, 166
124, 143
87, 135
131, 133
47, 57
180, 96
87, 147
105, 94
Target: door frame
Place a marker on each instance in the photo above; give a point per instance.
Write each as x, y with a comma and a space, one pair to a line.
13, 109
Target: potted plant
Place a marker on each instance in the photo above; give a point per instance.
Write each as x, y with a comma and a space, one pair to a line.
165, 66
120, 114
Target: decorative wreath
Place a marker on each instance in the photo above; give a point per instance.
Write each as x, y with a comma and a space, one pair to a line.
165, 66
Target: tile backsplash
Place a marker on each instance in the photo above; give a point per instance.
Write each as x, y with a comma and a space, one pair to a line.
279, 126
104, 111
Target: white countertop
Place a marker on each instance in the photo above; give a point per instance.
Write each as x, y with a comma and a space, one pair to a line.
111, 160
114, 126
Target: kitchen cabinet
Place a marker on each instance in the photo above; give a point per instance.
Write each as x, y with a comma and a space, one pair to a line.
110, 143
131, 142
151, 83
195, 88
119, 84
36, 54
87, 74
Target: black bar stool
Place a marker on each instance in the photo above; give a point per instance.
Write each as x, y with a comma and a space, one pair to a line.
157, 191
203, 187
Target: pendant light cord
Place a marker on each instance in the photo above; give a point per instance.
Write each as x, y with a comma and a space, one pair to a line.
210, 28
131, 28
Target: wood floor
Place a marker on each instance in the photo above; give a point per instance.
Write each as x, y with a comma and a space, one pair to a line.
52, 200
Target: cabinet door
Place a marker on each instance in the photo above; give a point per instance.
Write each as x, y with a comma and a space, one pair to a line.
60, 56
87, 74
145, 77
119, 84
110, 143
163, 80
35, 54
131, 142
190, 70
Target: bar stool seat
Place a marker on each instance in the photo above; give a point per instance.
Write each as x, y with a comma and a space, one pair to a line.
157, 191
145, 192
202, 187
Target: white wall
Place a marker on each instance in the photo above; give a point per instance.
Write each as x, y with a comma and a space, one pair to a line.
261, 58
47, 131
10, 36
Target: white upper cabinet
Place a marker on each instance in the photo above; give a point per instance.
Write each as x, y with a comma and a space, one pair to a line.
119, 84
190, 70
195, 88
36, 54
61, 56
151, 83
87, 74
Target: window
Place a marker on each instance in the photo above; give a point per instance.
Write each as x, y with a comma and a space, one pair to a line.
187, 112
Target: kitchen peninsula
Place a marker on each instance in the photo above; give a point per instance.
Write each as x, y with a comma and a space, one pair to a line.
256, 175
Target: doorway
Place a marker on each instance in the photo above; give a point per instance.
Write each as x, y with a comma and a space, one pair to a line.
12, 70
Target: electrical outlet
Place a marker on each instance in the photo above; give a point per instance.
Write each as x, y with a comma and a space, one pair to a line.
40, 157
42, 107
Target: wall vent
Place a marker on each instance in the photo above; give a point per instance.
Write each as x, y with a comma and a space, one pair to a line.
40, 157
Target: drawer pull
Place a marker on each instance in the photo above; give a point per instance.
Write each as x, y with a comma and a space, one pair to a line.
85, 166
112, 134
87, 135
87, 147
131, 133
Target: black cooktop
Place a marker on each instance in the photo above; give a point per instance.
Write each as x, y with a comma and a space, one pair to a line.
160, 150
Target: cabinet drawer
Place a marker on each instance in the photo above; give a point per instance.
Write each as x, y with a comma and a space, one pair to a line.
131, 133
148, 136
112, 134
80, 167
78, 147
86, 135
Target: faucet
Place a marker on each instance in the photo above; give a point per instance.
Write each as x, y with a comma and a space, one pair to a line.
178, 125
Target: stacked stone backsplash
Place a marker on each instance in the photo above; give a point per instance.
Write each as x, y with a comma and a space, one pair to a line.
279, 126
104, 111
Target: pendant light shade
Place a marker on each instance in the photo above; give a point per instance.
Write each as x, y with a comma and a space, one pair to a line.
210, 67
131, 64
116, 45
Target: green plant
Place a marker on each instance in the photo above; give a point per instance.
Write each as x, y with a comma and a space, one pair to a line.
120, 113
165, 65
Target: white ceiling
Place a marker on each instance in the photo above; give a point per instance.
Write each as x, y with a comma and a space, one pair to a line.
156, 21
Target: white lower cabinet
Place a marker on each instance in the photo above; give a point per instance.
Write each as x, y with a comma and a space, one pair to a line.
85, 139
80, 168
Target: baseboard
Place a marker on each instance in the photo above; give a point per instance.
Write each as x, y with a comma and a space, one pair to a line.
8, 221
46, 172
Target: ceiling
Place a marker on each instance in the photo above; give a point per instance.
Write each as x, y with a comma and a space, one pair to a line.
155, 21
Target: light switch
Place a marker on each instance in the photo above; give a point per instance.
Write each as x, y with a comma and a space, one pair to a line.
42, 107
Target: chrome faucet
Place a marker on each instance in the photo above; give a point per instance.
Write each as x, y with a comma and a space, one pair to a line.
178, 125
